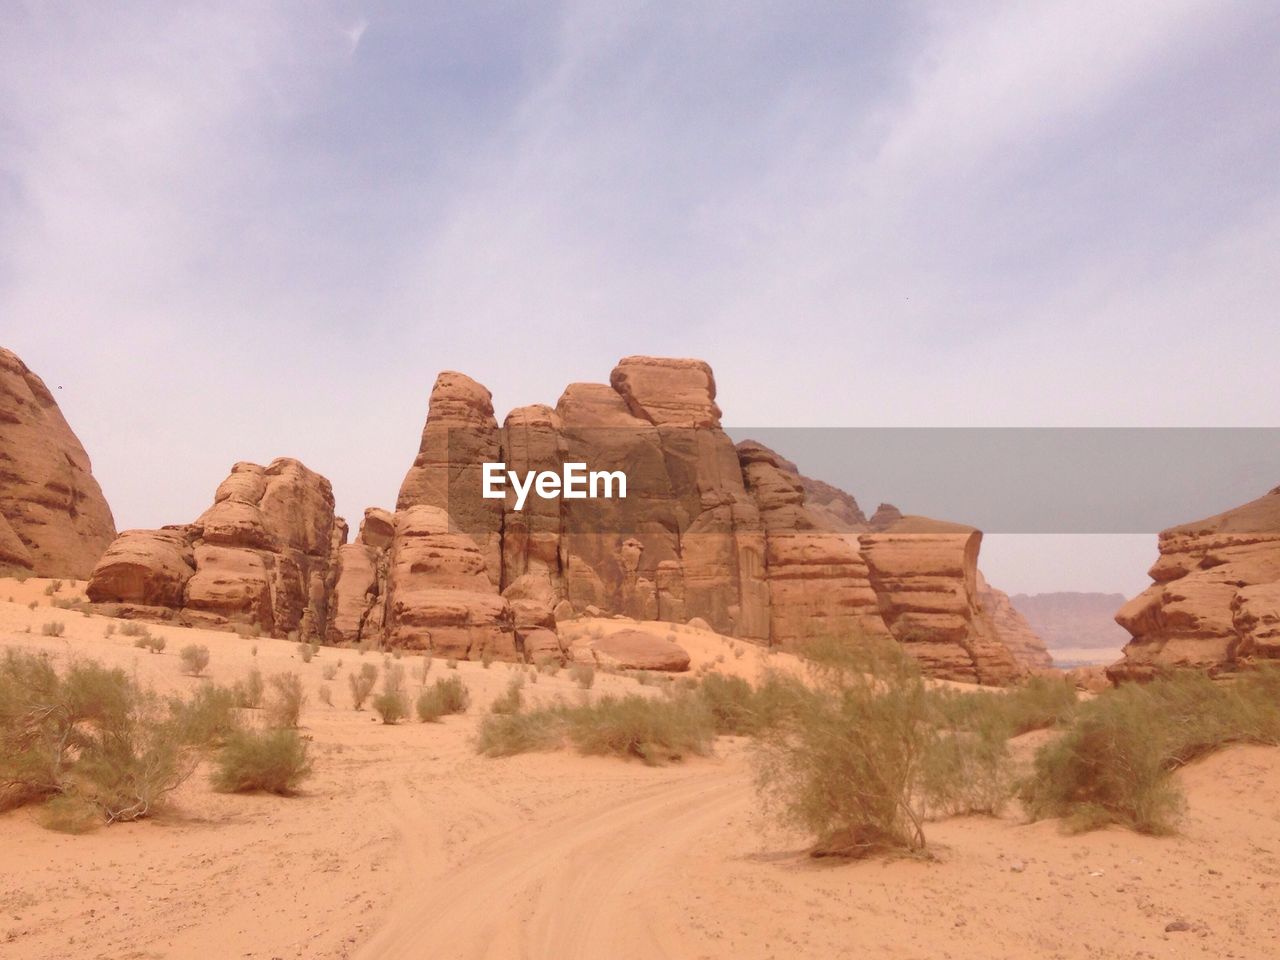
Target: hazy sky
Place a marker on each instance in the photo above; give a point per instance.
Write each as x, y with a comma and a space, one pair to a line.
245, 230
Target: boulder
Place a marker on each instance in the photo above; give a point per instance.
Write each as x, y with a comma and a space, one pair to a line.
639, 650
54, 521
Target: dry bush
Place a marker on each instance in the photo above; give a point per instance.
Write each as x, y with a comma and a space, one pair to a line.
285, 706
452, 663
583, 674
53, 628
424, 668
1035, 704
325, 695
91, 736
329, 671
273, 760
208, 718
132, 629
512, 700
194, 657
504, 735
446, 696
109, 629
392, 705
362, 684
306, 651
248, 692
652, 729
856, 762
1114, 764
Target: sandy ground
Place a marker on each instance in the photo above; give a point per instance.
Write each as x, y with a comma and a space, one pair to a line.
406, 844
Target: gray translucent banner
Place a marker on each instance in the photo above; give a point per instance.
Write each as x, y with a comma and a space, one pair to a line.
1000, 480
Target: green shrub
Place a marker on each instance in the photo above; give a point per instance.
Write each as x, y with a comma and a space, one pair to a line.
446, 696
91, 736
285, 706
1037, 703
194, 657
1114, 764
273, 760
392, 705
208, 718
512, 700
731, 702
847, 765
653, 729
248, 692
504, 735
362, 684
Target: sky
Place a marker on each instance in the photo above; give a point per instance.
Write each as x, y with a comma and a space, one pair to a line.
236, 231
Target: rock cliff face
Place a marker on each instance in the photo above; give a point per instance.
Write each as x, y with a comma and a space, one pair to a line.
733, 536
54, 521
260, 556
1215, 602
1012, 629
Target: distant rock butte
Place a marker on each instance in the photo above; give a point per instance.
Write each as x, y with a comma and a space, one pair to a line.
734, 537
1215, 602
1074, 620
54, 521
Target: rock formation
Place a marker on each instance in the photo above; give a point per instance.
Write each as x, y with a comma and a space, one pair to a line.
925, 576
1215, 602
1074, 620
732, 536
1011, 628
54, 521
261, 556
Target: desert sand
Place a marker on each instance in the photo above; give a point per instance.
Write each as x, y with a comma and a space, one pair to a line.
405, 843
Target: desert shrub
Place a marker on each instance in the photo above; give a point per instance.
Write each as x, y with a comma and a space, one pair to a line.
583, 674
1035, 704
452, 663
731, 703
847, 765
329, 671
109, 629
392, 705
273, 760
54, 628
1114, 764
424, 668
156, 643
248, 692
653, 729
549, 665
132, 629
512, 700
285, 706
362, 684
53, 587
194, 657
208, 718
446, 696
306, 651
486, 657
33, 604
325, 695
504, 735
91, 736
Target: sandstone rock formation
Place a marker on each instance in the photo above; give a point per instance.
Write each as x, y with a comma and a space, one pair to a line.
1011, 628
731, 536
260, 556
1215, 602
54, 521
925, 576
1074, 620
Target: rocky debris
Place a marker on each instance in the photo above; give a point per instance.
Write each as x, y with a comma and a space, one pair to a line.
640, 650
54, 521
260, 556
441, 597
925, 576
1215, 602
